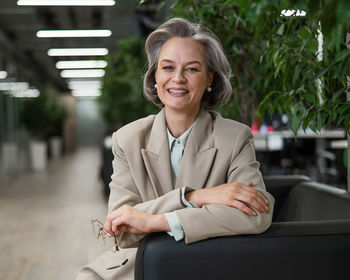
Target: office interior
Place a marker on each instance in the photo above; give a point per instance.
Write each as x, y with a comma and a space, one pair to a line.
54, 174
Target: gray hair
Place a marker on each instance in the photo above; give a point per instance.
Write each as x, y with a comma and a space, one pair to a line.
216, 59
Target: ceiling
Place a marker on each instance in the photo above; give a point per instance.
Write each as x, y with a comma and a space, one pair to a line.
24, 56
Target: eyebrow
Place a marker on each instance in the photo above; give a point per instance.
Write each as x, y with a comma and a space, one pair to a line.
190, 62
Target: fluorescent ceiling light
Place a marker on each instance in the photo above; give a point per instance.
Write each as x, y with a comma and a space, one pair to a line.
13, 86
295, 13
80, 64
73, 33
65, 2
29, 93
82, 73
78, 52
76, 85
86, 93
3, 74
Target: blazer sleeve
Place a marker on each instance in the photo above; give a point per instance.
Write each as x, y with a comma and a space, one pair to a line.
219, 220
124, 191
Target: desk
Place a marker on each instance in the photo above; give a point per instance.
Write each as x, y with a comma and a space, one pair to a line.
273, 141
309, 154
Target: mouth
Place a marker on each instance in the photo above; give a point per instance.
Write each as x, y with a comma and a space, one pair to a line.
177, 92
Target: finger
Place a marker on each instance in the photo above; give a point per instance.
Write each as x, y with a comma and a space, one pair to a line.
118, 222
120, 229
125, 209
253, 197
244, 208
259, 204
123, 228
248, 195
128, 229
108, 225
259, 198
117, 213
109, 219
251, 200
257, 195
108, 231
262, 200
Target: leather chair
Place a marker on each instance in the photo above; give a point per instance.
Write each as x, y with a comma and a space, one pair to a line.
308, 239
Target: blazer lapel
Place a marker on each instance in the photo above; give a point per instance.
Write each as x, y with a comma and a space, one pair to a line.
156, 156
199, 154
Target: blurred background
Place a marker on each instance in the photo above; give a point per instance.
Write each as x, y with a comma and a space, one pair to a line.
71, 74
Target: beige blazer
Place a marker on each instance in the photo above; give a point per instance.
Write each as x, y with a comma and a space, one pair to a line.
217, 151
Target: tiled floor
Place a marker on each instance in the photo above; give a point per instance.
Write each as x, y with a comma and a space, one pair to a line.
45, 230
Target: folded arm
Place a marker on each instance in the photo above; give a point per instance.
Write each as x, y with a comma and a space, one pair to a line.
241, 206
238, 207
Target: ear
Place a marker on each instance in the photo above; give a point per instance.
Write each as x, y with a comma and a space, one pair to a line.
210, 78
155, 75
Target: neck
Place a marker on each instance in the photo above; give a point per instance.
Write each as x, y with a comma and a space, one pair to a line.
179, 122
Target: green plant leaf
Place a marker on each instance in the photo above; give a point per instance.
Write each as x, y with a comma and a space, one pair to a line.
319, 74
295, 123
341, 56
280, 30
273, 54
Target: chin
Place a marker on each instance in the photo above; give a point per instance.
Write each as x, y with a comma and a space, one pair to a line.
181, 107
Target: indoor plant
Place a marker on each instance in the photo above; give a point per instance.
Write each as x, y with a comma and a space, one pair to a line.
274, 57
40, 116
56, 119
122, 97
277, 63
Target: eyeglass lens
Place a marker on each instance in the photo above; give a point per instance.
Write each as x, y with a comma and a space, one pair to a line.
108, 241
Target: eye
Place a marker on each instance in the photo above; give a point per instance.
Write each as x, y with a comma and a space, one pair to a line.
192, 69
167, 67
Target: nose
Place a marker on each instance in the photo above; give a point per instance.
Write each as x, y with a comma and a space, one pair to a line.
179, 77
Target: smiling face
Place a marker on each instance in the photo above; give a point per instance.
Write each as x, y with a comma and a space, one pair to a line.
182, 75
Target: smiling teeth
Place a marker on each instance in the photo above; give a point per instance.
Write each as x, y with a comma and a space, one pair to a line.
177, 91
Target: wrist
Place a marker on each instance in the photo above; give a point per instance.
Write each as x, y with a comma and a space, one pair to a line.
160, 223
195, 197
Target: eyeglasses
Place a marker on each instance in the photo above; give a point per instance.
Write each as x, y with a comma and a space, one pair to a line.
109, 241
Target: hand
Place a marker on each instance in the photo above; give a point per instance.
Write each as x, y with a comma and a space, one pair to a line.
129, 219
235, 195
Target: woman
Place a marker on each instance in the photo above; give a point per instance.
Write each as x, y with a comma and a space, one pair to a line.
187, 170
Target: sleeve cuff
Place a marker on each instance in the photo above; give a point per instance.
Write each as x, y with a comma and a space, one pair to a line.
188, 204
175, 226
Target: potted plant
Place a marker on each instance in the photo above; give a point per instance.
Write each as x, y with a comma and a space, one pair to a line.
56, 119
37, 117
9, 147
